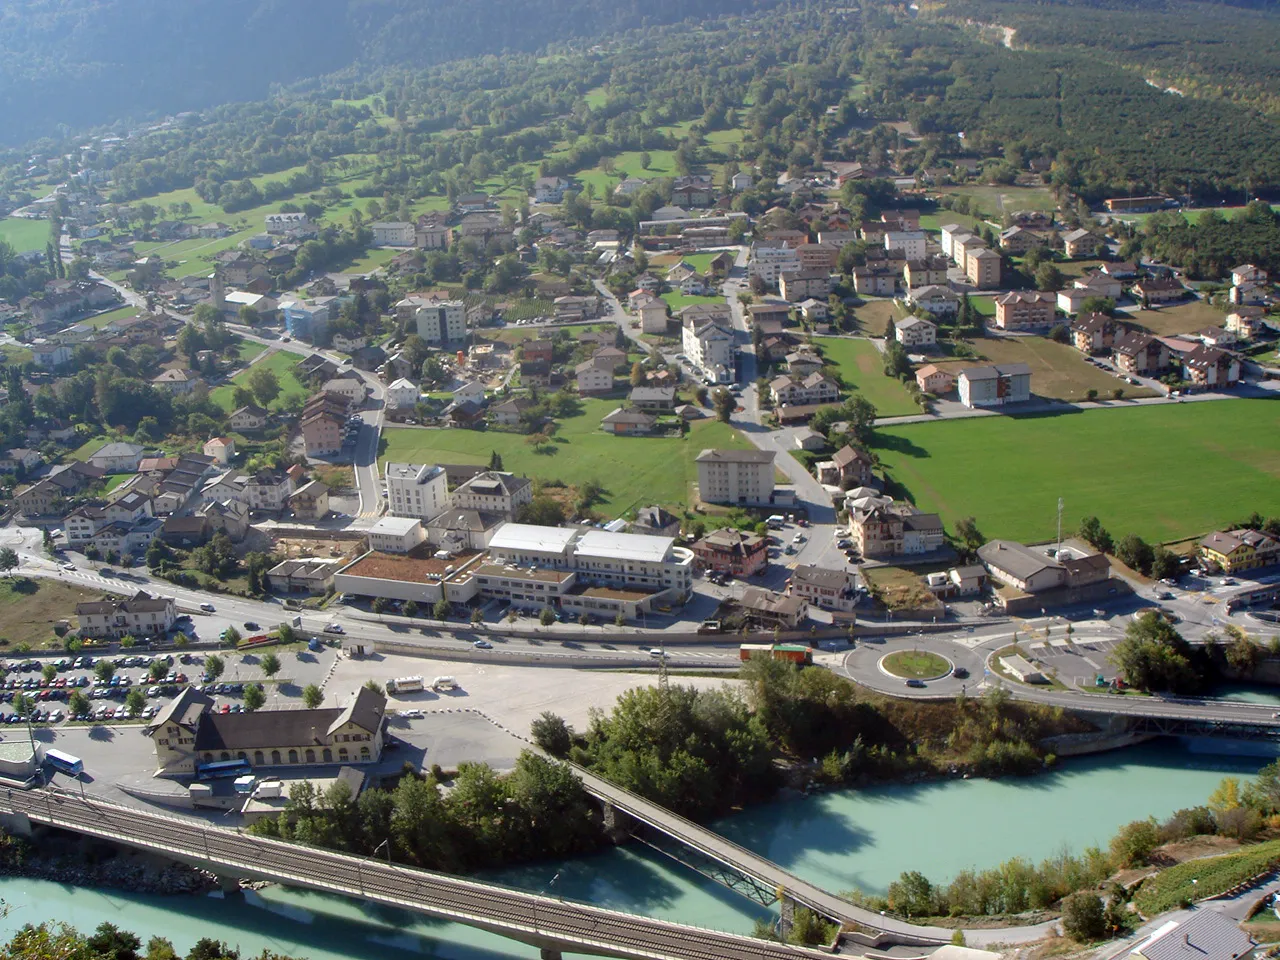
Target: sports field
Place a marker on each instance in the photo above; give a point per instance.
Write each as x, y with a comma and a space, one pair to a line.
862, 367
634, 471
1163, 471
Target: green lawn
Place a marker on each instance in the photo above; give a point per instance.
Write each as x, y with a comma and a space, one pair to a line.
862, 368
700, 261
596, 97
916, 665
677, 301
282, 362
102, 319
1164, 472
29, 608
246, 350
994, 200
635, 471
23, 234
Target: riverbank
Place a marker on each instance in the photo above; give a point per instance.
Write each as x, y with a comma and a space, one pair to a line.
67, 858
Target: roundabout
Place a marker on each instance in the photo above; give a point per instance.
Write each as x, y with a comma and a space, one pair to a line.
915, 665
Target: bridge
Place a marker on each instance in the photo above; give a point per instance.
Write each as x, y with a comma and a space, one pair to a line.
736, 867
549, 923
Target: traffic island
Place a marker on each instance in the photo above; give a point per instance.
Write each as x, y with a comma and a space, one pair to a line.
915, 665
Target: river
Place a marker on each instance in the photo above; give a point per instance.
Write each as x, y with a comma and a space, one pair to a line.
840, 840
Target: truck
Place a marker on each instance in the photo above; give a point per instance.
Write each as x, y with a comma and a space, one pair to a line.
444, 683
794, 652
406, 685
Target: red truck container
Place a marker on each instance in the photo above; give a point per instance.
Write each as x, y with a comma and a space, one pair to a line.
795, 652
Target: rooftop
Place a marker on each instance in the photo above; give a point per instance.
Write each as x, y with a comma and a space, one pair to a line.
528, 536
417, 567
642, 548
395, 526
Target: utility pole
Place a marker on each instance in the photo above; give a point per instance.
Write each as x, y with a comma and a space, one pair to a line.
662, 668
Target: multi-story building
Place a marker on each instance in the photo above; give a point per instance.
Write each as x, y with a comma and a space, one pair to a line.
938, 300
1081, 243
1024, 309
493, 492
709, 345
416, 490
801, 284
269, 490
815, 388
310, 501
769, 258
322, 433
441, 321
1140, 354
910, 242
928, 271
994, 385
188, 732
823, 587
915, 332
894, 529
733, 551
141, 615
307, 319
1237, 550
1095, 333
983, 268
1211, 367
396, 534
735, 476
393, 234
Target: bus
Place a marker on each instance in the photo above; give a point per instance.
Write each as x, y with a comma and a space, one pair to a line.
223, 770
64, 762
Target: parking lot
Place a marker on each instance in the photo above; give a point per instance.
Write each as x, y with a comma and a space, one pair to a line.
49, 684
1076, 662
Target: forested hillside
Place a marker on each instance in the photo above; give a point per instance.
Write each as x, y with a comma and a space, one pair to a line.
75, 63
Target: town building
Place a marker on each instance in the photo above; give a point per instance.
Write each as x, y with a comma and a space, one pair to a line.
593, 379
1162, 289
1025, 309
709, 344
269, 490
139, 616
623, 422
1095, 333
910, 242
938, 300
416, 490
493, 492
884, 528
771, 609
982, 267
440, 321
1140, 354
1211, 368
1235, 550
994, 385
307, 319
735, 476
393, 234
801, 284
732, 551
310, 575
915, 332
813, 389
933, 380
310, 501
248, 419
1205, 934
396, 534
1081, 243
187, 733
1035, 570
117, 457
322, 432
824, 588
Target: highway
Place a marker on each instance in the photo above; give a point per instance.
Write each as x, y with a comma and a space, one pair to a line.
551, 923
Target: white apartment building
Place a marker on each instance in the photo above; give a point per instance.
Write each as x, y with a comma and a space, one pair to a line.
767, 261
492, 492
416, 490
393, 234
141, 615
735, 476
633, 560
403, 394
442, 321
709, 345
396, 534
910, 242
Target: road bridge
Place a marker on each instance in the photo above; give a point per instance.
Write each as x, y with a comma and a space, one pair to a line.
549, 923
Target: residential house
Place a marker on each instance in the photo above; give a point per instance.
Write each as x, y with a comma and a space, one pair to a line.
307, 319
20, 459
309, 575
693, 191
269, 490
768, 608
769, 258
1018, 240
1236, 550
322, 432
915, 332
735, 476
493, 492
929, 271
732, 551
653, 399
910, 242
624, 422
416, 490
801, 363
1139, 354
1246, 322
1099, 284
708, 343
1071, 300
1205, 934
141, 615
814, 311
813, 389
248, 419
221, 449
403, 394
1164, 289
1081, 243
511, 413
432, 232
118, 457
823, 587
893, 529
938, 300
441, 321
472, 390
550, 189
995, 385
592, 379
608, 358
310, 501
848, 468
468, 414
1247, 273
935, 381
655, 522
1095, 333
347, 385
1035, 570
48, 356
1210, 367
1219, 337
535, 373
1025, 309
653, 316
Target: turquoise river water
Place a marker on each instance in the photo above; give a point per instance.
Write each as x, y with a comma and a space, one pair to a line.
839, 840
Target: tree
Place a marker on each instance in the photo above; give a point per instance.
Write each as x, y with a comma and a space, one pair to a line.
1164, 563
214, 665
724, 403
1083, 918
1154, 656
543, 511
77, 704
231, 637
552, 734
495, 461
547, 617
135, 702
254, 697
637, 373
104, 670
312, 696
912, 894
8, 560
969, 535
411, 608
48, 671
1132, 845
157, 671
1225, 797
1135, 553
440, 609
265, 384
23, 705
1048, 277
269, 665
1095, 534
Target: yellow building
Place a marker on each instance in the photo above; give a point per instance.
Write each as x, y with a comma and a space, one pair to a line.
1238, 550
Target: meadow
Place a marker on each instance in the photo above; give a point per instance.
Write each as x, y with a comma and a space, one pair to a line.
1163, 471
862, 367
282, 362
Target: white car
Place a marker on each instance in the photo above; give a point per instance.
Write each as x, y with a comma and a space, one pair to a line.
482, 645
411, 714
207, 607
333, 628
68, 565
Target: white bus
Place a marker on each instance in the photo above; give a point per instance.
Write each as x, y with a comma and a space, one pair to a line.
406, 685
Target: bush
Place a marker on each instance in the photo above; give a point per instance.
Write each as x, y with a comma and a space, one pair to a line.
552, 734
1134, 842
1083, 917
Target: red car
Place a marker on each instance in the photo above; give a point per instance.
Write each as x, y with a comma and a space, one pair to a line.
225, 708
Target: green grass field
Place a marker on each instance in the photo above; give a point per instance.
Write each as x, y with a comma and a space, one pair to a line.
102, 319
677, 301
246, 350
282, 362
23, 234
862, 368
1163, 472
634, 471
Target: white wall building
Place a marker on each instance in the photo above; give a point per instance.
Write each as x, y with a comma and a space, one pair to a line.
492, 492
403, 394
396, 534
416, 490
442, 321
735, 476
910, 242
708, 345
393, 234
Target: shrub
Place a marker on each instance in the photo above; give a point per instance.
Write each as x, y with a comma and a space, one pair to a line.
1083, 917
